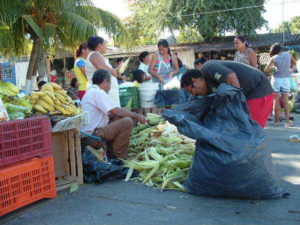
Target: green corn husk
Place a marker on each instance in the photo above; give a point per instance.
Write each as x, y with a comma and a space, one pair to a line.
154, 119
160, 154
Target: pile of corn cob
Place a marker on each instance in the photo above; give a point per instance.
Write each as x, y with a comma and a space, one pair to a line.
160, 154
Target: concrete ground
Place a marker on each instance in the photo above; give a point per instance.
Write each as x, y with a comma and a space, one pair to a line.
121, 202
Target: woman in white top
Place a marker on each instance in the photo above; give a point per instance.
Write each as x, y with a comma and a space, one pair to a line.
96, 61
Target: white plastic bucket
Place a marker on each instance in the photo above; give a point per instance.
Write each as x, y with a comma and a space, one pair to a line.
147, 94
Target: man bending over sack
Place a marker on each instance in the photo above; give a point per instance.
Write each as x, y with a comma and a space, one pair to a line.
254, 84
108, 121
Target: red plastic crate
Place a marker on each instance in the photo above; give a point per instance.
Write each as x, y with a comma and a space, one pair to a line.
24, 139
26, 182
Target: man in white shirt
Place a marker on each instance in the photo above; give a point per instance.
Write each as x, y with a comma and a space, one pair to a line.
102, 109
144, 58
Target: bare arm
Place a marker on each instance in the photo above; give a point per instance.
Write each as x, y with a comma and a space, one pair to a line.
232, 80
253, 58
269, 66
146, 78
99, 63
151, 68
125, 113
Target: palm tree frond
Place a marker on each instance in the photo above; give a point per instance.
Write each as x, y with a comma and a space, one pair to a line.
34, 26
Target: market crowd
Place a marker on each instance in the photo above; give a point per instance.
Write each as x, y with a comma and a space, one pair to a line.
97, 85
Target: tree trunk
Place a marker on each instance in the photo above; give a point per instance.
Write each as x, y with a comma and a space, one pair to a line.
41, 65
32, 63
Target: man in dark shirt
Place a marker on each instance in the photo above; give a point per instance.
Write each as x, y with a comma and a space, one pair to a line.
254, 84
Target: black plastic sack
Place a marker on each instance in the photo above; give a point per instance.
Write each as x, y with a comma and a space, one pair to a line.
98, 172
231, 159
297, 103
170, 97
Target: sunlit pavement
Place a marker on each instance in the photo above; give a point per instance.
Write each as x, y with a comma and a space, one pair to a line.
129, 203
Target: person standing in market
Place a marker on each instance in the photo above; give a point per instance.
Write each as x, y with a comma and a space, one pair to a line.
244, 53
145, 58
79, 69
96, 60
163, 64
253, 83
283, 61
102, 110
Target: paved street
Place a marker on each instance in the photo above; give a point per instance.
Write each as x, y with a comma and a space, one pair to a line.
129, 203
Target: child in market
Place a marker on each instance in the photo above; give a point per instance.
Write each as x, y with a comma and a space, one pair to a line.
73, 90
139, 76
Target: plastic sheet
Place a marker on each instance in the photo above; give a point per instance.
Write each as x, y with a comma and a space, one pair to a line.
231, 159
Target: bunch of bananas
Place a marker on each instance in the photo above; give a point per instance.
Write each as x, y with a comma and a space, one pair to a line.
53, 98
7, 88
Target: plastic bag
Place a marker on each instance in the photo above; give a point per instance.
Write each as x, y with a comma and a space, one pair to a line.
297, 103
174, 83
294, 86
170, 97
99, 172
231, 159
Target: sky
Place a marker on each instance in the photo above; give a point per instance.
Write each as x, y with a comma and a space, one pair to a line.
274, 10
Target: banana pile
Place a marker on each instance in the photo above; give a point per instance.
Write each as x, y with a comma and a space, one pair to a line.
9, 89
53, 98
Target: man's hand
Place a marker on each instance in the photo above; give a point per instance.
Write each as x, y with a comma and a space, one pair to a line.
141, 119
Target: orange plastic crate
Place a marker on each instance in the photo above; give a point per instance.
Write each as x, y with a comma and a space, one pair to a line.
26, 182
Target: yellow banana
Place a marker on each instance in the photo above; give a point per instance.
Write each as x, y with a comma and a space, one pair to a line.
68, 109
8, 92
33, 101
51, 94
38, 93
47, 87
57, 102
12, 87
48, 99
55, 86
70, 99
61, 92
61, 109
45, 105
60, 98
39, 108
77, 111
1, 89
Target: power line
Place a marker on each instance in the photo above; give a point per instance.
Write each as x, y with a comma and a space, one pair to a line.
232, 9
218, 11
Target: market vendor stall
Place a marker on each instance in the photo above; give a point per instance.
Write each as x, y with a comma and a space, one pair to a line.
39, 144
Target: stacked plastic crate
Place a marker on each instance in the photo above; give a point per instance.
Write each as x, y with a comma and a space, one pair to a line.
26, 163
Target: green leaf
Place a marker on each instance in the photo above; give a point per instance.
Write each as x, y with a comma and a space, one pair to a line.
73, 187
32, 23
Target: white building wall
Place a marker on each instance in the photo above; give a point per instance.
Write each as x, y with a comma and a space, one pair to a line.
187, 58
